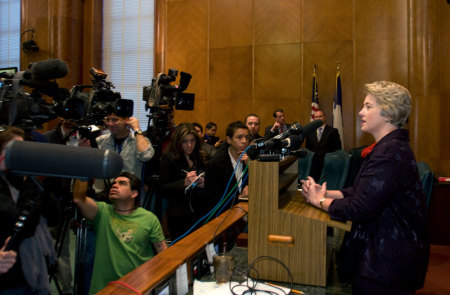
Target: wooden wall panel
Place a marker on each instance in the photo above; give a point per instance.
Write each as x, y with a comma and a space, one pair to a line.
187, 25
40, 23
92, 40
327, 20
424, 79
277, 22
277, 81
230, 23
385, 20
230, 84
442, 163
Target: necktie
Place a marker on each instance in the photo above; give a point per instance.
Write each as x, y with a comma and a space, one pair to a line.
319, 133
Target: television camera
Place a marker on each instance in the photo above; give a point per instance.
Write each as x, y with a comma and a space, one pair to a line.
161, 97
89, 108
29, 110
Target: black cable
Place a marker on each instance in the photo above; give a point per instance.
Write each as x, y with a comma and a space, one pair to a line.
253, 288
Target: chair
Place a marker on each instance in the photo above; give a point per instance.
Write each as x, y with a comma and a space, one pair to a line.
335, 169
355, 164
427, 178
304, 164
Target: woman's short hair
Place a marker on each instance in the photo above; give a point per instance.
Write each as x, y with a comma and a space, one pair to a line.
393, 99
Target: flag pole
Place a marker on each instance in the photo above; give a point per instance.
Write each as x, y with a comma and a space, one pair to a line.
315, 94
337, 106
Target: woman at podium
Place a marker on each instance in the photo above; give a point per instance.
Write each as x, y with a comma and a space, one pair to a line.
388, 241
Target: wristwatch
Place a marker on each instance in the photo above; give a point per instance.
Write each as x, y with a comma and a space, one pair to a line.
138, 132
321, 203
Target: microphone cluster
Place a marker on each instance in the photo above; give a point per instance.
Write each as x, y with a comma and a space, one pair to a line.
291, 138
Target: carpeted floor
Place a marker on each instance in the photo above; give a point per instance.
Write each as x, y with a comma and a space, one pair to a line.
438, 274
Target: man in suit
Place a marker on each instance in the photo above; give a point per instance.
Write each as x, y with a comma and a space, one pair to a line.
221, 166
253, 122
325, 140
278, 127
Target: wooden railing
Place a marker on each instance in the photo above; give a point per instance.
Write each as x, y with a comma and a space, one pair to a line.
161, 267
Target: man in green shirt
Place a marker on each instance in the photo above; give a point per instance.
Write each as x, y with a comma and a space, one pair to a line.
125, 232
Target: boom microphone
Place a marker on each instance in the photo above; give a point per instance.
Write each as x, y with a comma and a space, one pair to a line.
48, 70
310, 127
295, 141
37, 158
293, 129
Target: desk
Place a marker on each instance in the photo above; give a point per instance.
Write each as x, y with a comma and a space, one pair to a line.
150, 274
439, 214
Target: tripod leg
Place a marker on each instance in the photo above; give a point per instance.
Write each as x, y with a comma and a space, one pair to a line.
84, 258
62, 273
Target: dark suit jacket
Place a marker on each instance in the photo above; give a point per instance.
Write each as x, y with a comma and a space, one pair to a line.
218, 172
171, 181
329, 142
388, 239
268, 133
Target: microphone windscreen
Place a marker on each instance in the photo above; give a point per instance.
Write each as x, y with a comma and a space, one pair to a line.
49, 69
47, 159
296, 141
311, 127
295, 128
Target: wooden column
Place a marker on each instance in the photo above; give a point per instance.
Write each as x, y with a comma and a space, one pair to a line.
423, 51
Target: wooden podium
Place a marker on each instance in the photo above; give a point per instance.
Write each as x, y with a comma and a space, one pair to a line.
283, 226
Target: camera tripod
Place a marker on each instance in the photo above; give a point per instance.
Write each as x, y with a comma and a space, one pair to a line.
84, 250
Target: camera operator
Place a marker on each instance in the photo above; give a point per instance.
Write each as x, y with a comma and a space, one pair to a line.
66, 133
127, 139
32, 242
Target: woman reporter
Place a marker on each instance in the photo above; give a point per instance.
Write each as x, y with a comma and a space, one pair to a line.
388, 240
181, 165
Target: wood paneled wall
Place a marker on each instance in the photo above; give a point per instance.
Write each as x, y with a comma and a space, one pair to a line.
67, 30
257, 55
